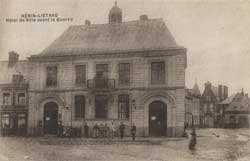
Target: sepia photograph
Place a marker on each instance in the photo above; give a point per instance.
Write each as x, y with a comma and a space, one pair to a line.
124, 80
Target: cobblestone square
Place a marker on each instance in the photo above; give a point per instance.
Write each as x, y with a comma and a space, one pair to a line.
212, 145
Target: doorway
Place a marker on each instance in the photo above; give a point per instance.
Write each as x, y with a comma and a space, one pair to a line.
157, 118
50, 118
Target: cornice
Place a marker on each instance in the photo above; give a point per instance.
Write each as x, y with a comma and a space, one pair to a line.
110, 54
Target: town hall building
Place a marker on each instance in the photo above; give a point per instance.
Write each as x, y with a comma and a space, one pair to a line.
131, 72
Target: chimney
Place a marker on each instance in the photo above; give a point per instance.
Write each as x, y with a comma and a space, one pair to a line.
221, 92
87, 22
144, 17
225, 92
242, 92
13, 58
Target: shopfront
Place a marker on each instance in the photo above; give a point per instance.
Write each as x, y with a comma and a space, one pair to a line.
14, 123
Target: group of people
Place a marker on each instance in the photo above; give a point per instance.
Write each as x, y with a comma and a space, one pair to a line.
101, 130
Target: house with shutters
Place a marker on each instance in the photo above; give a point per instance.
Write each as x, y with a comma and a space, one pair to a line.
235, 111
131, 72
13, 96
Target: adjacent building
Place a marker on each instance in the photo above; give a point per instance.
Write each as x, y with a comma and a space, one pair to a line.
235, 111
130, 72
211, 96
14, 98
192, 106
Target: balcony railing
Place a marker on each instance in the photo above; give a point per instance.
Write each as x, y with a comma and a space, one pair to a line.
101, 83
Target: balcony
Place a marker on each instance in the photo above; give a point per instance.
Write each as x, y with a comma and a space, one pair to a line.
101, 84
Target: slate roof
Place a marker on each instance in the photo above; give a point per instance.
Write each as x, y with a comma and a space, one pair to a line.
228, 100
148, 34
196, 90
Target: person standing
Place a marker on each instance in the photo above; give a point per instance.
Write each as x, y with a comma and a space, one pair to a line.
192, 142
133, 131
121, 128
60, 129
96, 131
112, 130
86, 130
101, 130
106, 130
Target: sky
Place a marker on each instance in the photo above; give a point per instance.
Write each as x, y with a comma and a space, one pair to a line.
216, 33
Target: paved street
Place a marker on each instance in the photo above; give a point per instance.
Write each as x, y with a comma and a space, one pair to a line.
212, 145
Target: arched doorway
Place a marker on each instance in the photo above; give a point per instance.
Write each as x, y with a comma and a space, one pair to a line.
157, 118
50, 118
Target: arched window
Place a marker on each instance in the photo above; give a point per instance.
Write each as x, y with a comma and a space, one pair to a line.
123, 106
79, 106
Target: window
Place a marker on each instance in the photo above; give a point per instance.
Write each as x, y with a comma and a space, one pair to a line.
123, 106
51, 76
5, 120
124, 73
102, 71
79, 106
101, 106
21, 120
21, 98
80, 74
6, 99
158, 73
101, 79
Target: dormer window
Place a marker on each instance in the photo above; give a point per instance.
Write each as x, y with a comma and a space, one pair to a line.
115, 14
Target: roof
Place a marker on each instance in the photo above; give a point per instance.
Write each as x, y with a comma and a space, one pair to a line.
133, 35
21, 67
229, 99
196, 90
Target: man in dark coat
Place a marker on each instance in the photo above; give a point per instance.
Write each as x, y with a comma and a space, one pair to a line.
133, 131
121, 128
192, 142
60, 129
86, 130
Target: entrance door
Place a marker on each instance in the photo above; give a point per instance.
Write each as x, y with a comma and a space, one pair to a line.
157, 118
50, 118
